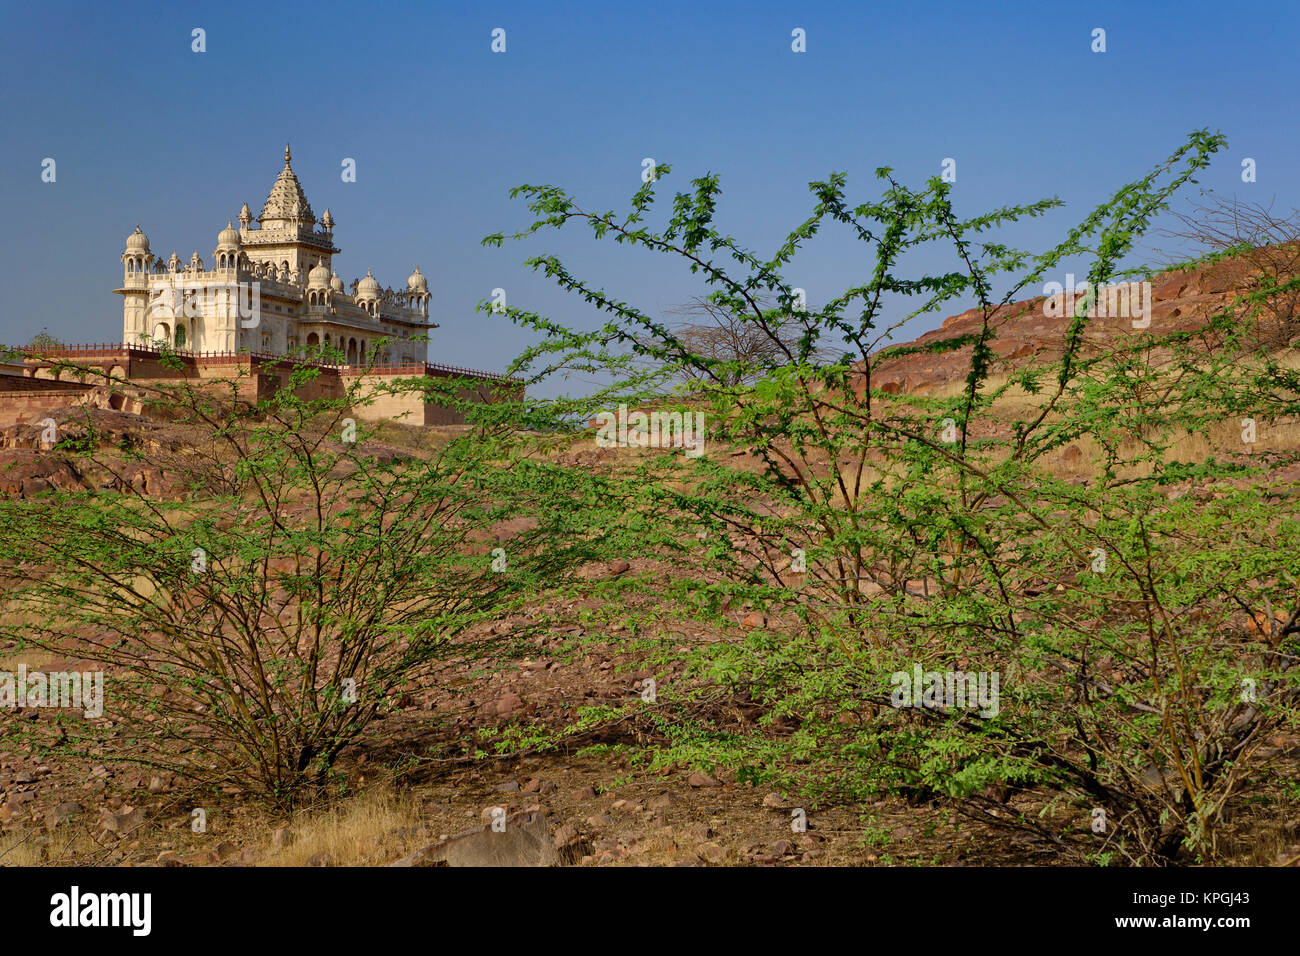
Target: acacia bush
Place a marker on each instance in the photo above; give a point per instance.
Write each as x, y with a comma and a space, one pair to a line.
1142, 620
295, 584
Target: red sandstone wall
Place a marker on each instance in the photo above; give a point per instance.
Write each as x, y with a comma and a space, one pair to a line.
410, 408
21, 383
26, 408
257, 378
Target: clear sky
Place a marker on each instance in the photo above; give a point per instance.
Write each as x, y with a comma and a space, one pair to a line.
145, 130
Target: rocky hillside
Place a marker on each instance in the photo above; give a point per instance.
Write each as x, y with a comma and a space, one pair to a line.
1025, 332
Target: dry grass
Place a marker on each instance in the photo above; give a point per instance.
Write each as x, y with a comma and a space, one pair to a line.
356, 833
66, 846
21, 849
425, 439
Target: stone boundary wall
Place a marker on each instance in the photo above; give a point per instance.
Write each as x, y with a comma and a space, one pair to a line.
22, 383
260, 376
26, 408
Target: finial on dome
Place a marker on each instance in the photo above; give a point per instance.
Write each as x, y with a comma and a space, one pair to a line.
287, 157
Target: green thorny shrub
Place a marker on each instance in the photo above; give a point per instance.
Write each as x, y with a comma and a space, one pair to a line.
1142, 622
296, 582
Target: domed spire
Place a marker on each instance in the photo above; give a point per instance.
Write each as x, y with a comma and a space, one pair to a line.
368, 287
287, 204
228, 237
245, 215
137, 241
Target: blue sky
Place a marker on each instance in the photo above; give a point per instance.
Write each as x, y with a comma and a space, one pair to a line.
143, 129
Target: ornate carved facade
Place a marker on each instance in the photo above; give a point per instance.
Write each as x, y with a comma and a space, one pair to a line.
271, 289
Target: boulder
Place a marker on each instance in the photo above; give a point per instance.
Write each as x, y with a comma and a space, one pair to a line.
526, 840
